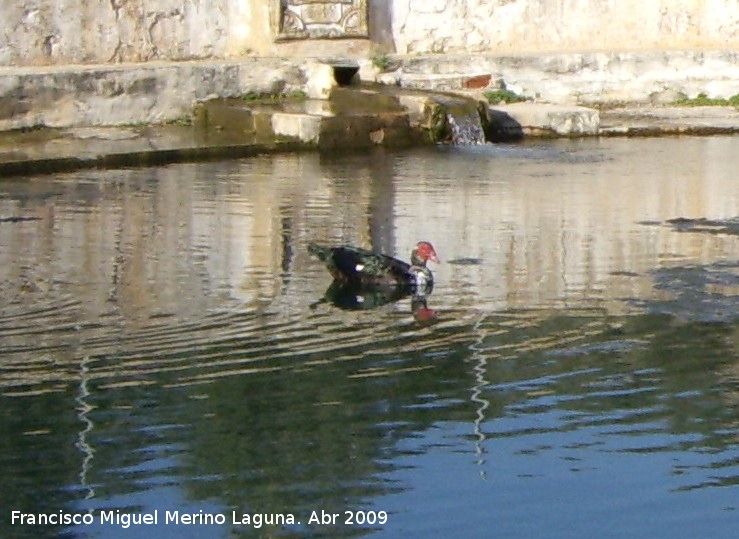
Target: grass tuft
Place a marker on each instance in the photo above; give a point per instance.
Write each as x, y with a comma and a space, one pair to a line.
504, 96
702, 100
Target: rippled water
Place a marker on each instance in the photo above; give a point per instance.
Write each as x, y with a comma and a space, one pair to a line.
165, 345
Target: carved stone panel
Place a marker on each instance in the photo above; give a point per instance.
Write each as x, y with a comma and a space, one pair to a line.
306, 19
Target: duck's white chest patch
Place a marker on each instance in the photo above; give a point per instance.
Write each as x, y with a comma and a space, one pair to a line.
421, 279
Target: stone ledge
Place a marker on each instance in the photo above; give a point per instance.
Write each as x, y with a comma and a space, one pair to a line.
46, 151
544, 119
155, 92
584, 78
54, 150
516, 120
645, 121
354, 118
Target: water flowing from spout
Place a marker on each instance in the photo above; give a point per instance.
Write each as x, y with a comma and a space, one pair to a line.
466, 128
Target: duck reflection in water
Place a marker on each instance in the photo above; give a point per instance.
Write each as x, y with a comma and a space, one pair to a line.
356, 297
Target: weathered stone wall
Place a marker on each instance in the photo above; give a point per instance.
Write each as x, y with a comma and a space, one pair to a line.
546, 26
46, 32
151, 92
105, 62
582, 78
59, 32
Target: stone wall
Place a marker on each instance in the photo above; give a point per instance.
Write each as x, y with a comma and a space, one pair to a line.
107, 62
594, 78
59, 32
546, 26
150, 92
46, 32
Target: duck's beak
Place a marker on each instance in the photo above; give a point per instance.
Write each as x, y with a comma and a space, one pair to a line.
434, 258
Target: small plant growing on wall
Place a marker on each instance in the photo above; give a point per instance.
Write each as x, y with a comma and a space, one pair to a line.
504, 96
702, 100
383, 62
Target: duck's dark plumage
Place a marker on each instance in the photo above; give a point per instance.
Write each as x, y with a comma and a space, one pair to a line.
354, 265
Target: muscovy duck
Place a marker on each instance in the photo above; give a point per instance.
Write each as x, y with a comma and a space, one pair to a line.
354, 265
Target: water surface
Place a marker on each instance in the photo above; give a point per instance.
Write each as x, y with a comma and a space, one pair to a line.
165, 345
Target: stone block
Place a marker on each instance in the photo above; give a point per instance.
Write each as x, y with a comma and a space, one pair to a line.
223, 114
304, 127
319, 80
557, 119
363, 131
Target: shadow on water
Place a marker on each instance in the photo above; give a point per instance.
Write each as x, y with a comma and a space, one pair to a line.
163, 345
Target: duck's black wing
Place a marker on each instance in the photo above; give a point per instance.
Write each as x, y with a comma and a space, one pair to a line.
354, 264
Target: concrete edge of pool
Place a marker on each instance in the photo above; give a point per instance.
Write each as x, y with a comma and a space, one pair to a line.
51, 150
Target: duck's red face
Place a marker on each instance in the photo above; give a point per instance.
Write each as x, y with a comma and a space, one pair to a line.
426, 251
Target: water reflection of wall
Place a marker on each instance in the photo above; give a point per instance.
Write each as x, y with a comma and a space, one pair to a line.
564, 222
105, 240
551, 223
178, 239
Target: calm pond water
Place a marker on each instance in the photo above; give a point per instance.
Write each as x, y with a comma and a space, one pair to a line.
166, 348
